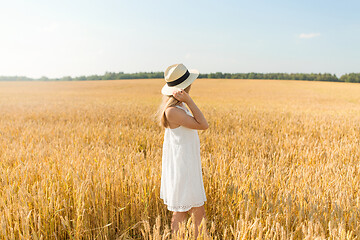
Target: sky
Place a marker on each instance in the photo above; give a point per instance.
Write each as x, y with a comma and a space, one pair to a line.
77, 37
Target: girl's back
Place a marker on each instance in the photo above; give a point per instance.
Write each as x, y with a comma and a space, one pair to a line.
181, 134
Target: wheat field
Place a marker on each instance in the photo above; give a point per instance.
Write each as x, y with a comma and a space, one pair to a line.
82, 160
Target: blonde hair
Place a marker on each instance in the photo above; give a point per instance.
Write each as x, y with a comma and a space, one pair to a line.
167, 101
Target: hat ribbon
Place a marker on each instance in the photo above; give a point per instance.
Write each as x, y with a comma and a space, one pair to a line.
179, 80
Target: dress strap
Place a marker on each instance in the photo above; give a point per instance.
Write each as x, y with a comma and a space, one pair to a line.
183, 108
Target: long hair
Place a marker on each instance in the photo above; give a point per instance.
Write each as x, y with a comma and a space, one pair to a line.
167, 101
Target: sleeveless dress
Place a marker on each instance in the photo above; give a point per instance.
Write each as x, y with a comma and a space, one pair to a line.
182, 184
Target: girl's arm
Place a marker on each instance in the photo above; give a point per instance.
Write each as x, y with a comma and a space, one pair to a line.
179, 117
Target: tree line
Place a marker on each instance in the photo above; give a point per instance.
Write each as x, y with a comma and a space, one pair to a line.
350, 77
280, 76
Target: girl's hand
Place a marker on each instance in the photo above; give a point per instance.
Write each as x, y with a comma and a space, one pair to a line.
182, 96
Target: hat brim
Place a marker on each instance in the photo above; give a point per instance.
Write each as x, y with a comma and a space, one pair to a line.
166, 90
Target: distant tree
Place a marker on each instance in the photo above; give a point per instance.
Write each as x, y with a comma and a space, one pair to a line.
351, 77
66, 78
81, 78
43, 78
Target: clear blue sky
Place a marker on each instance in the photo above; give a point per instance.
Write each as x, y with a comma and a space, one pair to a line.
60, 38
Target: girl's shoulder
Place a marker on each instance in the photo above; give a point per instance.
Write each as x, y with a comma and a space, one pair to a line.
173, 109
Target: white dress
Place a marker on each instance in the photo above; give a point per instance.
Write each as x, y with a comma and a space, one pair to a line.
182, 184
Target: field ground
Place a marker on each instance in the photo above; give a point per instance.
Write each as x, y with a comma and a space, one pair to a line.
82, 160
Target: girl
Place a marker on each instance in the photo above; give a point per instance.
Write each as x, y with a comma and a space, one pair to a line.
182, 187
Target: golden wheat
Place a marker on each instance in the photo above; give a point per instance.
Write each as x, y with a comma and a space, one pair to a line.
82, 160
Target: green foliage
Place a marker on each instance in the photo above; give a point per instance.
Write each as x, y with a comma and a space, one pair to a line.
350, 77
15, 78
106, 76
279, 76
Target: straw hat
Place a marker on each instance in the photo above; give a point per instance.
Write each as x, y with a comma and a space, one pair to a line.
178, 76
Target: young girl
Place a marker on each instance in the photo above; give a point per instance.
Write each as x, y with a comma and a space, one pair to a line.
182, 187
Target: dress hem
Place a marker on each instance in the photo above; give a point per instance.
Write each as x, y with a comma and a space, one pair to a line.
183, 208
